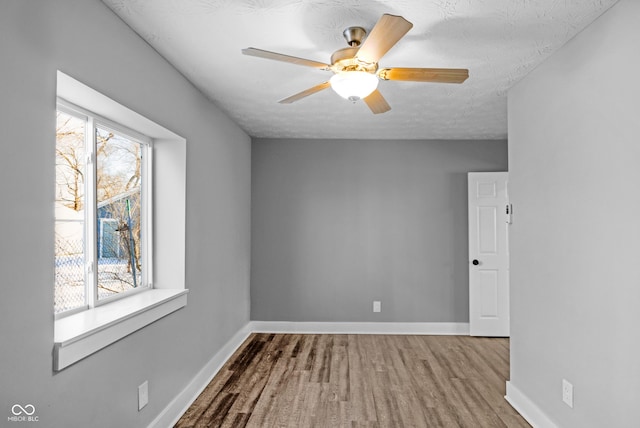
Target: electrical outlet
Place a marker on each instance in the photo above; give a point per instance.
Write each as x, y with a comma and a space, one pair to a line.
377, 306
143, 394
567, 393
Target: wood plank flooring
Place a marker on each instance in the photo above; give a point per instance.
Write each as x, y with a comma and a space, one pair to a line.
313, 380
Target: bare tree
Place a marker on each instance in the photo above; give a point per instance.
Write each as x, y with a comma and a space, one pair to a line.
70, 161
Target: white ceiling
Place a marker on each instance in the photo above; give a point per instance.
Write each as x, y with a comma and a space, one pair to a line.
499, 41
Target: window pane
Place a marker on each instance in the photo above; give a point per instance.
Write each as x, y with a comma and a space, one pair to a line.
69, 213
118, 185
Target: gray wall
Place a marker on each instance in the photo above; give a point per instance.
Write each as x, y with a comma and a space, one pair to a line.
574, 158
87, 41
337, 224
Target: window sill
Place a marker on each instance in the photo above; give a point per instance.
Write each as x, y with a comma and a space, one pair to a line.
80, 335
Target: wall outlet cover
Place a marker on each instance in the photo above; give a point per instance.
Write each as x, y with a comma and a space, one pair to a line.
143, 394
567, 393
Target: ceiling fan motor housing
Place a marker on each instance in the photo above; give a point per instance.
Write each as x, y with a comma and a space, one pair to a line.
345, 60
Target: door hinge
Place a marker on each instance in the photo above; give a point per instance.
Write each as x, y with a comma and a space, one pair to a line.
509, 212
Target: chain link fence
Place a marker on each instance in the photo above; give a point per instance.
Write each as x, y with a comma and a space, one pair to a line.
69, 278
114, 275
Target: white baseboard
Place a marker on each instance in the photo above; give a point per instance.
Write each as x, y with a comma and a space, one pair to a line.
527, 408
431, 328
176, 408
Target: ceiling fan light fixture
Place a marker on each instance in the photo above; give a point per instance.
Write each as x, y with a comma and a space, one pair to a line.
356, 71
354, 85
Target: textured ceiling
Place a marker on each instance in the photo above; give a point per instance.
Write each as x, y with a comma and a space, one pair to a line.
499, 41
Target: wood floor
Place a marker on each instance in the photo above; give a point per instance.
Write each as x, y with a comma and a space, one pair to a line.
297, 380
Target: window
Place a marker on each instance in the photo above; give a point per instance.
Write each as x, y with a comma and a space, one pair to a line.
103, 220
107, 285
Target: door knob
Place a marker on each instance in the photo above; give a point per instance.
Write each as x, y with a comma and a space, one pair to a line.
475, 262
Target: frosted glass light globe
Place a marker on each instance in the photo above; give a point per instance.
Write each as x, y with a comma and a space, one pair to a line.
354, 85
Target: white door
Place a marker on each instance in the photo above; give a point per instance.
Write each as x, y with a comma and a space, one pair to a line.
489, 218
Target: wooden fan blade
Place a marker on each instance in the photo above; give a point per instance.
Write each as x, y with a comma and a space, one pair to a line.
437, 75
305, 93
285, 58
385, 34
377, 103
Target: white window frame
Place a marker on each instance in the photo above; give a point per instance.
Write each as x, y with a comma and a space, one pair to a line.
80, 334
94, 121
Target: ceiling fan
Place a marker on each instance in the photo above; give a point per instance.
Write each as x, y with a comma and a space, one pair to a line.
355, 68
